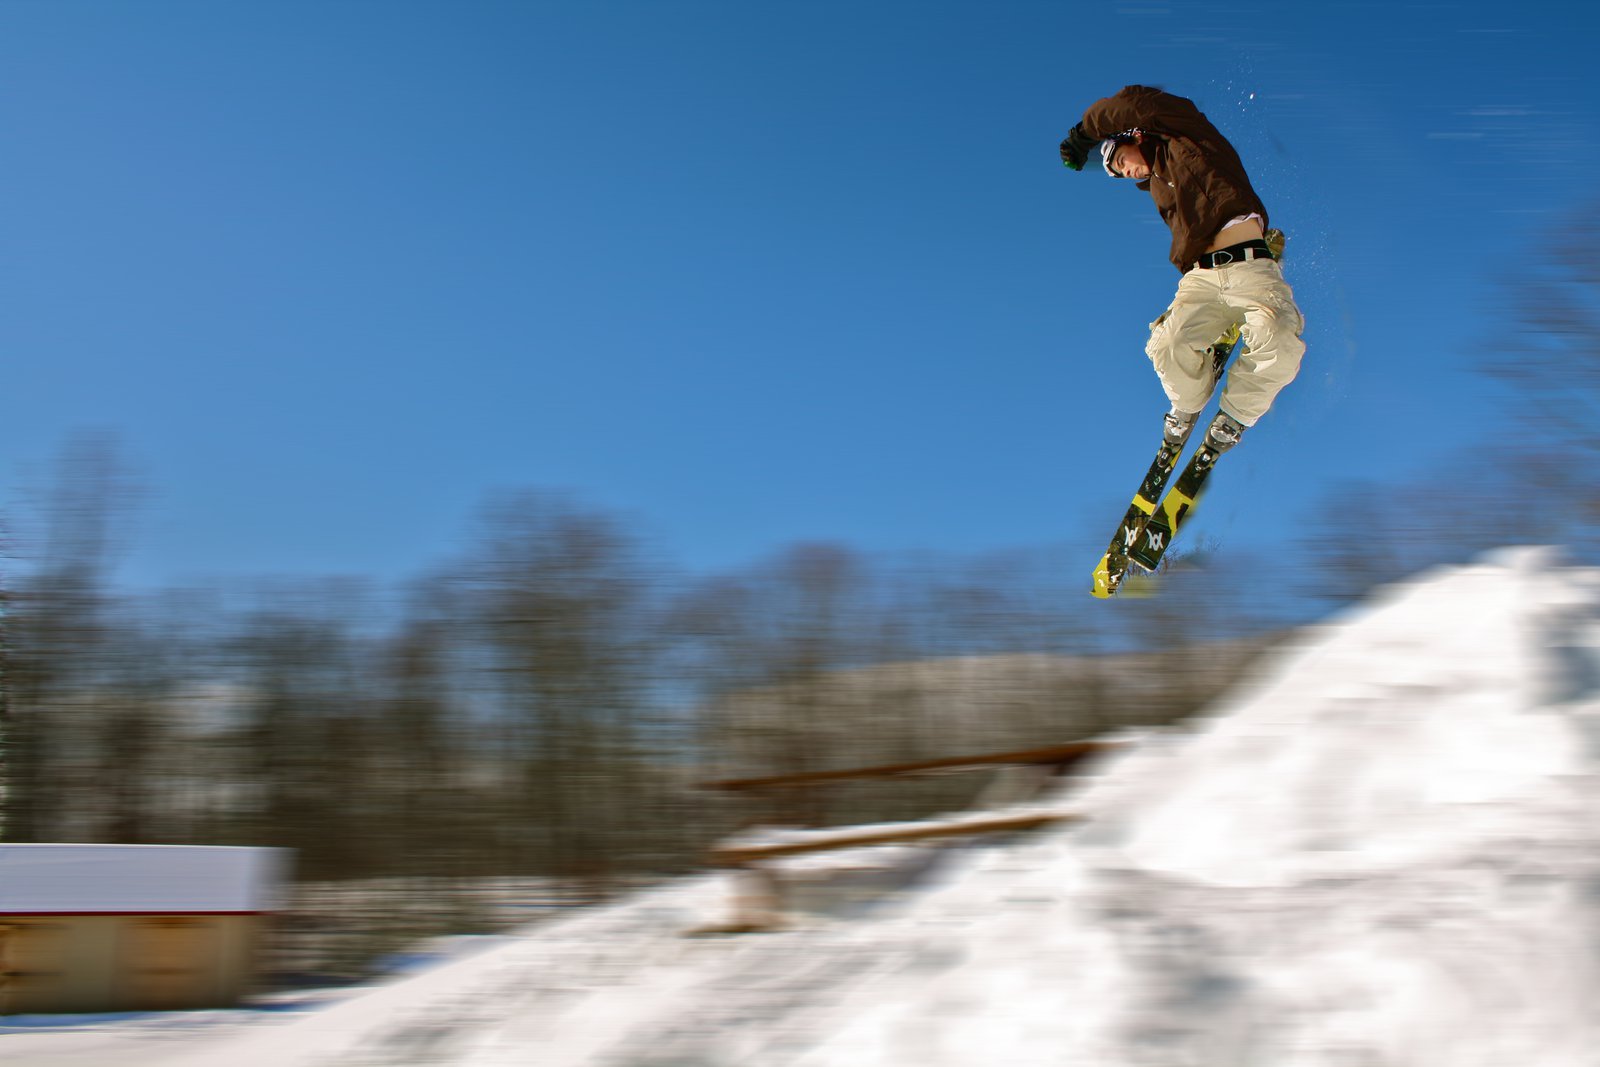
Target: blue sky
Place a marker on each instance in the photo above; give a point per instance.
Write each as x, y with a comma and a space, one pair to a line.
333, 273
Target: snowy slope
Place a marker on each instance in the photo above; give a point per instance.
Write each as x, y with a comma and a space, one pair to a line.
1383, 852
1386, 853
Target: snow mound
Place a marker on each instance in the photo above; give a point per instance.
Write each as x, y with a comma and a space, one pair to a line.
1454, 711
1382, 851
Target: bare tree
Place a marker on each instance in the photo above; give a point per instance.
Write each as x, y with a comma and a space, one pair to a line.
302, 753
785, 628
58, 627
561, 598
1549, 365
1531, 478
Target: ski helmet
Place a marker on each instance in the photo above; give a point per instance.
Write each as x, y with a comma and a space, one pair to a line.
1108, 148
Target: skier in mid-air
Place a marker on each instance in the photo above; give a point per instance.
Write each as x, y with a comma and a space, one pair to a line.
1231, 277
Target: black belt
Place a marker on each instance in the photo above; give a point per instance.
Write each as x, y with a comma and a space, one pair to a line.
1243, 252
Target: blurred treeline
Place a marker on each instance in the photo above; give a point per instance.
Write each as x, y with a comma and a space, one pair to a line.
546, 703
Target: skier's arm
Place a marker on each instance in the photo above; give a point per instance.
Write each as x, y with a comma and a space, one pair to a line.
1142, 108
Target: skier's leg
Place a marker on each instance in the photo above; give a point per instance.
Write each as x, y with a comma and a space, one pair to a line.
1180, 341
1269, 356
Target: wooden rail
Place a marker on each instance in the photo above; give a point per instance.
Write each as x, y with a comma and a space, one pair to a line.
1053, 755
759, 886
858, 837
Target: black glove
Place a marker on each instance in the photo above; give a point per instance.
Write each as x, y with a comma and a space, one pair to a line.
1076, 148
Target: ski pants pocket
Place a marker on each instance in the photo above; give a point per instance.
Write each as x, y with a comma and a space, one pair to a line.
1179, 341
1270, 355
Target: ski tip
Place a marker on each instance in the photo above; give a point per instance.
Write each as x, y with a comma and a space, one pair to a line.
1101, 590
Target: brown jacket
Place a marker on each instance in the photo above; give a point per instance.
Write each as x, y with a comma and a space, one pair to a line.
1196, 178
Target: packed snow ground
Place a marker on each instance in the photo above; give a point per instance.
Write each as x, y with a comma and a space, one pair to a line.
1383, 852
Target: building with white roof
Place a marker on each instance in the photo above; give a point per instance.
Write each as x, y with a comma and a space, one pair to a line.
87, 928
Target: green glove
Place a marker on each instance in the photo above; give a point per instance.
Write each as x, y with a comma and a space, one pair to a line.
1076, 148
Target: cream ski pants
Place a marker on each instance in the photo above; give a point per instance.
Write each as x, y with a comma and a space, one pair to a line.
1210, 302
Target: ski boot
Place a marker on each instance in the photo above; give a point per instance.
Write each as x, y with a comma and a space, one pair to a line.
1176, 426
1224, 432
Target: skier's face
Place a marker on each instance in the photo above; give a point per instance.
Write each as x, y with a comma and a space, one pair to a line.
1129, 162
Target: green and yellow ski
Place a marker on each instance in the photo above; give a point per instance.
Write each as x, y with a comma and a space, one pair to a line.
1151, 516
